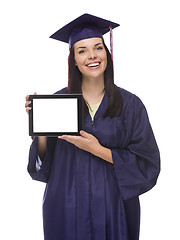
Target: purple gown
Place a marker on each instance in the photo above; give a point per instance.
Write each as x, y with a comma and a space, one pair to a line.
87, 198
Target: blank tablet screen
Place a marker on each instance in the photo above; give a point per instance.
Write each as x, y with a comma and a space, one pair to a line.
54, 115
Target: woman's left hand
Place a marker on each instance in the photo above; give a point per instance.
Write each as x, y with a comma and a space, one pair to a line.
90, 144
86, 141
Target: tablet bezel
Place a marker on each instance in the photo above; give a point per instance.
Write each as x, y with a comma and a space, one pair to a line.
55, 96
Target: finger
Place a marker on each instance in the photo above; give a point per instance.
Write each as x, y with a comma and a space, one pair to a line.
27, 97
28, 109
66, 138
69, 137
27, 103
62, 137
85, 134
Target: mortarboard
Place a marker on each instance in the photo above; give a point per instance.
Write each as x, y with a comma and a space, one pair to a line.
83, 27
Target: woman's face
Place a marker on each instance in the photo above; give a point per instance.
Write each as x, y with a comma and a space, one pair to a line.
90, 57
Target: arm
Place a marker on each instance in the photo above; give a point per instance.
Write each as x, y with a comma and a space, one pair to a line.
104, 153
137, 163
42, 141
40, 154
90, 144
42, 145
41, 172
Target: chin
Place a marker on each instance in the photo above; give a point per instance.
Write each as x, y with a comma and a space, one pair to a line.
94, 74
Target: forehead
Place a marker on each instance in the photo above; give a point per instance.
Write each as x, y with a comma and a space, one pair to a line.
88, 42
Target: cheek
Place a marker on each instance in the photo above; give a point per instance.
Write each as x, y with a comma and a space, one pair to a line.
104, 57
105, 60
79, 60
105, 63
79, 65
76, 61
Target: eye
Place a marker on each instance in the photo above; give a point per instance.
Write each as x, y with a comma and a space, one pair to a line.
81, 51
99, 48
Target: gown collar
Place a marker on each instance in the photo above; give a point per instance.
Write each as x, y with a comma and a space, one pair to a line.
101, 110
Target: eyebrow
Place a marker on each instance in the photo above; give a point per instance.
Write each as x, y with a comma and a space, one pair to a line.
94, 45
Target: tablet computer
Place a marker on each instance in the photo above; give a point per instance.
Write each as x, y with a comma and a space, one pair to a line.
55, 115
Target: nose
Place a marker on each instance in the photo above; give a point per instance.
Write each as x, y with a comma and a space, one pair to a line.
92, 55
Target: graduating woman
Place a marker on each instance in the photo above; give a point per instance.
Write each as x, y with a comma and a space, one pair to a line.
93, 180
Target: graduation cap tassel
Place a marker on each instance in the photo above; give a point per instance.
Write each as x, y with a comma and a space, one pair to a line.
111, 43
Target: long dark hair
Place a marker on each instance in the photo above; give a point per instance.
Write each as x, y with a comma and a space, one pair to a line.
115, 101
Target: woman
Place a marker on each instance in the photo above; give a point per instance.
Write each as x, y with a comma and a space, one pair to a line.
94, 180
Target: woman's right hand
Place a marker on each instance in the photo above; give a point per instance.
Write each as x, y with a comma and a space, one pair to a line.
27, 103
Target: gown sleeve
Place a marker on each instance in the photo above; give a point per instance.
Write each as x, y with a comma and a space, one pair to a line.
137, 163
40, 172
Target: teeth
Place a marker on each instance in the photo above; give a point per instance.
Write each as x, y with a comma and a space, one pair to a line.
93, 65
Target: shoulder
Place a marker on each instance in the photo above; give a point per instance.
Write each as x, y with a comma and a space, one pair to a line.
130, 100
62, 91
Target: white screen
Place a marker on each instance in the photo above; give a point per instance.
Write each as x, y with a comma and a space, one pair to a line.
55, 115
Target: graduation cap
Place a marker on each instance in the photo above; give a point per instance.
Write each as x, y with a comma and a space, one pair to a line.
84, 27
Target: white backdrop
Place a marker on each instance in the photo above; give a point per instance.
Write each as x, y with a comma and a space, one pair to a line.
147, 63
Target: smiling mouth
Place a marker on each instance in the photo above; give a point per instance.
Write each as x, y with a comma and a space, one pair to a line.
93, 65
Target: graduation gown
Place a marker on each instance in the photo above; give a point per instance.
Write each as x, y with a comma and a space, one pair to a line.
87, 198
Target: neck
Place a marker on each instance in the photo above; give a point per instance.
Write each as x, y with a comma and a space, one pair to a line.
93, 90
